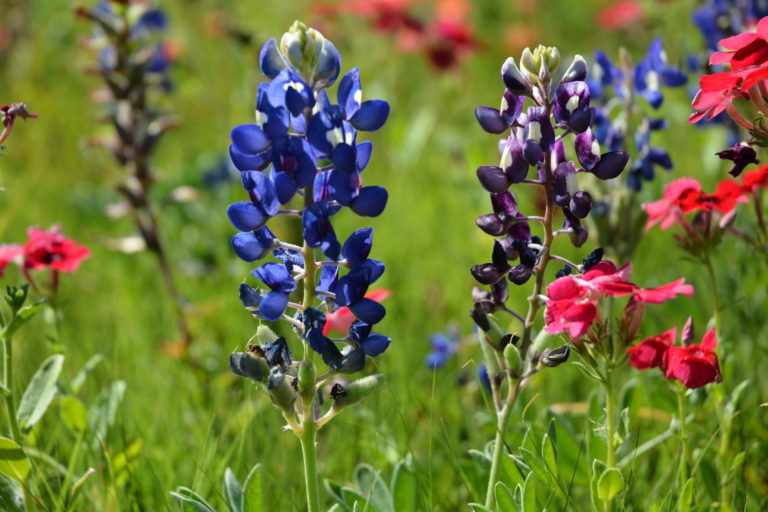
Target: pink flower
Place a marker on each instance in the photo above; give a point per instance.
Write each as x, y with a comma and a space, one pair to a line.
667, 210
620, 15
695, 365
51, 249
666, 292
341, 319
9, 253
649, 353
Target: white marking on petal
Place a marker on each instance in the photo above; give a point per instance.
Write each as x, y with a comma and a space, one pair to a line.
506, 156
572, 183
261, 118
334, 136
653, 80
595, 148
504, 104
298, 86
573, 104
358, 97
534, 131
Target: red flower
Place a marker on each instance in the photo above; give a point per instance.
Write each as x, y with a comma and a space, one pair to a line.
649, 353
744, 50
754, 180
341, 319
9, 253
51, 249
717, 92
695, 365
726, 196
620, 15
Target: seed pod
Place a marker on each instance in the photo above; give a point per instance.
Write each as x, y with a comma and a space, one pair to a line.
357, 390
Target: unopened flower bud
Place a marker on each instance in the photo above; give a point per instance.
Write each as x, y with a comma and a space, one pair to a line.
316, 59
555, 357
495, 334
576, 72
689, 332
249, 365
281, 388
356, 391
306, 377
512, 358
265, 335
514, 79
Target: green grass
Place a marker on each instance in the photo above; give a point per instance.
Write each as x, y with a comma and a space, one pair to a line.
193, 424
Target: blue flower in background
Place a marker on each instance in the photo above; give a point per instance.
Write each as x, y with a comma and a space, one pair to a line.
443, 347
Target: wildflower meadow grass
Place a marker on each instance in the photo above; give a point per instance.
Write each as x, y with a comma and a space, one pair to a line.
200, 199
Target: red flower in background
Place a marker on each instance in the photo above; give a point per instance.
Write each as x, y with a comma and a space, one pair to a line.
649, 353
9, 253
695, 365
620, 15
51, 249
754, 180
341, 319
685, 196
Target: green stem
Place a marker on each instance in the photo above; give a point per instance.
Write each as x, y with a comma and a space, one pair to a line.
309, 453
715, 293
71, 470
502, 419
610, 429
683, 437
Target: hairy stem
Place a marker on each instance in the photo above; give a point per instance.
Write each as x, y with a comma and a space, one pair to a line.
502, 420
10, 404
610, 429
307, 438
683, 437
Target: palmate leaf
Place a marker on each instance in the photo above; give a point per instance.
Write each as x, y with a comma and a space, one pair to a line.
39, 393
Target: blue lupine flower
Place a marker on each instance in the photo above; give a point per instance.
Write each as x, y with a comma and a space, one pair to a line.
296, 126
372, 343
572, 106
482, 375
352, 288
281, 282
443, 347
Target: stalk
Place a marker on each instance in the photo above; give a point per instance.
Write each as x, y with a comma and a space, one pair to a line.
307, 438
610, 429
502, 420
11, 405
683, 437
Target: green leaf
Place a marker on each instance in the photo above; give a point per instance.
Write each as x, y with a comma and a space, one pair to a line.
686, 496
191, 497
529, 494
549, 454
102, 415
373, 488
233, 493
738, 460
481, 459
597, 470
405, 488
73, 413
39, 393
479, 508
610, 484
125, 462
86, 370
252, 499
21, 317
504, 498
334, 490
190, 504
13, 461
11, 494
708, 476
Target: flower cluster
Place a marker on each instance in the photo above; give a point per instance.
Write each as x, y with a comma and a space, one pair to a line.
445, 39
620, 118
713, 213
533, 142
573, 300
720, 19
694, 365
311, 149
745, 83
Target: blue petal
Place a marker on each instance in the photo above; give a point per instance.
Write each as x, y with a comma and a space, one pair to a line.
343, 157
250, 138
273, 305
294, 101
249, 247
371, 116
329, 277
246, 162
368, 310
245, 216
357, 247
370, 202
317, 133
347, 94
358, 331
375, 344
284, 185
262, 191
364, 150
331, 247
672, 77
250, 297
270, 60
343, 186
374, 269
276, 276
